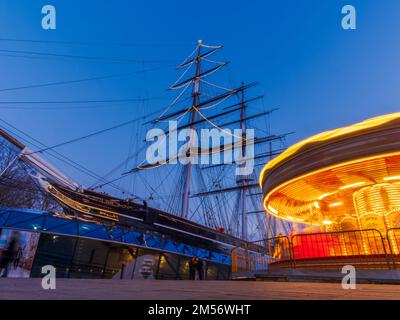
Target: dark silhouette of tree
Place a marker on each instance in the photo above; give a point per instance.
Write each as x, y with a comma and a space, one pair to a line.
18, 189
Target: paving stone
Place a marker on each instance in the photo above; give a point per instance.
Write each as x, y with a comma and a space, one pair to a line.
187, 290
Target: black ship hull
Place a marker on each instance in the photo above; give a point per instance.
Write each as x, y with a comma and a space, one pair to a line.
111, 210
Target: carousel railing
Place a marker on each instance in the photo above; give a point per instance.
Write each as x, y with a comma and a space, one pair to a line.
364, 248
258, 255
393, 240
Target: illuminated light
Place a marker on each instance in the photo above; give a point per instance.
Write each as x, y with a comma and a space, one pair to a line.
392, 178
85, 210
353, 185
336, 204
286, 218
290, 218
334, 166
379, 206
346, 218
363, 215
297, 196
325, 195
272, 210
328, 135
286, 184
374, 205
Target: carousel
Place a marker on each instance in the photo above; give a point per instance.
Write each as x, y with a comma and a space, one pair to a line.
343, 184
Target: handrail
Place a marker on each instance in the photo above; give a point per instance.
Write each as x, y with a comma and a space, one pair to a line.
370, 244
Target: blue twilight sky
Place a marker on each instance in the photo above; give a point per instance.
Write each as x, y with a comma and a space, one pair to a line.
319, 75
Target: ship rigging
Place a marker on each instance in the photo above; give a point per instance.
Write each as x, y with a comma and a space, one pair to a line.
220, 108
209, 194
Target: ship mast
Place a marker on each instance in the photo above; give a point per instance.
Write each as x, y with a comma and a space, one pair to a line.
243, 182
188, 168
206, 111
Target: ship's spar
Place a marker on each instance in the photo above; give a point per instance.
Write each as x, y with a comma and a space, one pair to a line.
201, 112
246, 186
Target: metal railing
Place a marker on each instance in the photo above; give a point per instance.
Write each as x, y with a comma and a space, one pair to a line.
367, 248
257, 255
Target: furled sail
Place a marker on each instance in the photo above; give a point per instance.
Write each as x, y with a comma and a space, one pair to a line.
45, 172
41, 170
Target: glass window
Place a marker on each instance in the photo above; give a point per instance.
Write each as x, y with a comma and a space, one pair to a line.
53, 222
3, 217
116, 233
54, 250
119, 257
168, 268
224, 272
70, 228
212, 271
146, 264
89, 259
99, 233
23, 219
184, 268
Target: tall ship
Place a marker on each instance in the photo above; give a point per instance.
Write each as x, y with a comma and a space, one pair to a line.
203, 204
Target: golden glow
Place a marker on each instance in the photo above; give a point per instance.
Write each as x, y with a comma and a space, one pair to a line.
353, 185
272, 210
325, 195
392, 178
362, 192
350, 162
336, 204
357, 165
295, 219
329, 135
83, 208
275, 213
378, 207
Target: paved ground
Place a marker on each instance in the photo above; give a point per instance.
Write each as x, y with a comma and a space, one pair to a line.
151, 289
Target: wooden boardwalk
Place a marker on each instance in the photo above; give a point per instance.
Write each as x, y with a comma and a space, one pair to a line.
184, 290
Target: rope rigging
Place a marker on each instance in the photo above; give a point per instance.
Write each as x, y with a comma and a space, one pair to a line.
54, 153
88, 43
59, 83
93, 133
81, 57
216, 210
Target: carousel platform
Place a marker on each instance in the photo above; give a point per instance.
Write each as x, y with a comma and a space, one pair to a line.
320, 276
